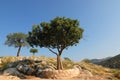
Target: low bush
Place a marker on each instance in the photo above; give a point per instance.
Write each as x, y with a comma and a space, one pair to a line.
68, 64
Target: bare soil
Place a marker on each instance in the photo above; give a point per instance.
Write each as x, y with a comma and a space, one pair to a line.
5, 77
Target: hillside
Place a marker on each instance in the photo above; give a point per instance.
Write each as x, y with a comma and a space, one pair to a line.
95, 61
113, 62
40, 68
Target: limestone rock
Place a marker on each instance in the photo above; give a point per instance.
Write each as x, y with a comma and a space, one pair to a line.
60, 73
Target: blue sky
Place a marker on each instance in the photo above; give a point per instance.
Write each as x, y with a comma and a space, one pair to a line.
100, 20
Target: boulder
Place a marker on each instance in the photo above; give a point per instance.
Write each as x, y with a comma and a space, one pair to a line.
13, 71
60, 73
25, 69
40, 70
12, 64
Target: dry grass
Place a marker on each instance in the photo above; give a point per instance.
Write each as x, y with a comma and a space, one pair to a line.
95, 69
6, 60
67, 64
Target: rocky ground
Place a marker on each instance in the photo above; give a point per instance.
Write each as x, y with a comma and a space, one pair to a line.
4, 77
43, 68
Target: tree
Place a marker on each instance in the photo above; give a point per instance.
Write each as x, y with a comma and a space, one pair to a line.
59, 34
33, 50
68, 59
17, 40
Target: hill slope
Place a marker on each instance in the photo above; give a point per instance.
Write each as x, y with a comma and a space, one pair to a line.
113, 62
87, 70
95, 61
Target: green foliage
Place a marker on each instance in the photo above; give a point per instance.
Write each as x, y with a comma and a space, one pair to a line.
68, 59
33, 50
17, 40
60, 33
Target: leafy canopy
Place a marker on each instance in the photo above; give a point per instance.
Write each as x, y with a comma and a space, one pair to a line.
17, 39
33, 50
59, 33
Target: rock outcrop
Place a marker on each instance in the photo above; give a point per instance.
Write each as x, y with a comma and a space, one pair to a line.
60, 73
14, 72
39, 68
26, 68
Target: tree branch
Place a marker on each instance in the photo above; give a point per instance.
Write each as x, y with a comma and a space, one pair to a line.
62, 48
53, 51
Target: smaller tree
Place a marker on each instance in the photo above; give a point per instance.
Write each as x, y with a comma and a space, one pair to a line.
17, 40
33, 50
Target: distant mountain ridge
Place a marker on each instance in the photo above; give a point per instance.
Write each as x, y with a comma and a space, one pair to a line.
111, 62
95, 61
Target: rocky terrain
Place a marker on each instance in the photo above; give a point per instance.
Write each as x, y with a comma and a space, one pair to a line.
44, 68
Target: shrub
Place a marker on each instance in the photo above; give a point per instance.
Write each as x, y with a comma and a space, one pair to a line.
68, 64
87, 60
116, 73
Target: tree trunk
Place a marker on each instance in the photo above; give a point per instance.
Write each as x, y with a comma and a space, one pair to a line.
59, 63
33, 54
18, 53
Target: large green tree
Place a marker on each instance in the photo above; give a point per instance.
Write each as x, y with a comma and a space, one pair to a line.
59, 34
17, 40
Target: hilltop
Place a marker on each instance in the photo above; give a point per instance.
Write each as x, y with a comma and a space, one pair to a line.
37, 68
